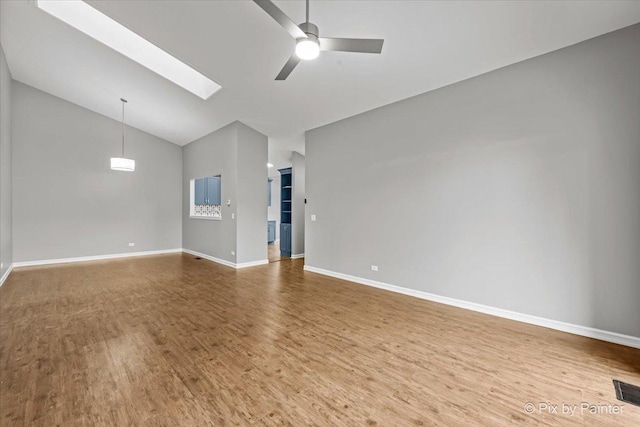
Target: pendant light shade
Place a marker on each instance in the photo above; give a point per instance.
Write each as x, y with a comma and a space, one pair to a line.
122, 163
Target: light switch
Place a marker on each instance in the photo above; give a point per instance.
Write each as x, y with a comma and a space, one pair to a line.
313, 217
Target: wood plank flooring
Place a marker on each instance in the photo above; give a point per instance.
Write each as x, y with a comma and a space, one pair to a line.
273, 252
171, 340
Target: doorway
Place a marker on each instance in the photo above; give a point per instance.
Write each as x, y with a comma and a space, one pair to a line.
273, 219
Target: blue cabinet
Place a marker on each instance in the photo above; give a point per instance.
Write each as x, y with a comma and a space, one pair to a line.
207, 191
271, 232
200, 192
213, 190
285, 239
285, 211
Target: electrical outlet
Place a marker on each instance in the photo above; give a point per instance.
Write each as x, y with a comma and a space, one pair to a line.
374, 267
1, 265
313, 217
233, 252
132, 244
233, 216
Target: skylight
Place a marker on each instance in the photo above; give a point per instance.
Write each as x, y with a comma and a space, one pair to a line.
95, 24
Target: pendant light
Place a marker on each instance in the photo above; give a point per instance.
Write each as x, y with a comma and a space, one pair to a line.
122, 163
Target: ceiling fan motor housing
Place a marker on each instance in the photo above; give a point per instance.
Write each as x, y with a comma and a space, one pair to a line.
310, 29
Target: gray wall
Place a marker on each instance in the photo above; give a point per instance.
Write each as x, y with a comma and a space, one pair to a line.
297, 203
517, 189
214, 154
273, 211
6, 232
252, 195
66, 200
239, 155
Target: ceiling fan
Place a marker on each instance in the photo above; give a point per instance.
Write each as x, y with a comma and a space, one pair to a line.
308, 40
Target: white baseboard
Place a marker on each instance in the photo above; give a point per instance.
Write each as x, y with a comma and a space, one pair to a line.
133, 254
210, 258
252, 263
225, 262
297, 256
94, 258
6, 274
585, 331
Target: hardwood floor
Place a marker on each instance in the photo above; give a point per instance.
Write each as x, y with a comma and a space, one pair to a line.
273, 252
171, 340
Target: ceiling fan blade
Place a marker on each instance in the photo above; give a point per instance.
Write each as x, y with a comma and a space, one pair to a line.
281, 18
288, 67
351, 45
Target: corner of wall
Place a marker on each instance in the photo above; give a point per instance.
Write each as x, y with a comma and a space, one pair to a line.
6, 169
299, 206
252, 213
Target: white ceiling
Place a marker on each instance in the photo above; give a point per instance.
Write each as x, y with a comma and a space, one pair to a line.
428, 44
281, 150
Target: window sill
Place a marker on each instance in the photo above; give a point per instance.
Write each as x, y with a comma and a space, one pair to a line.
210, 218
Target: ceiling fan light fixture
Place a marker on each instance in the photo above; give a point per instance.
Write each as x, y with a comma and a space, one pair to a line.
308, 40
308, 48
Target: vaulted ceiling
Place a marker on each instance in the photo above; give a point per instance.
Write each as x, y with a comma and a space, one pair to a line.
428, 44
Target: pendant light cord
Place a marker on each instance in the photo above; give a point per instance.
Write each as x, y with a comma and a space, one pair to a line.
307, 10
123, 102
